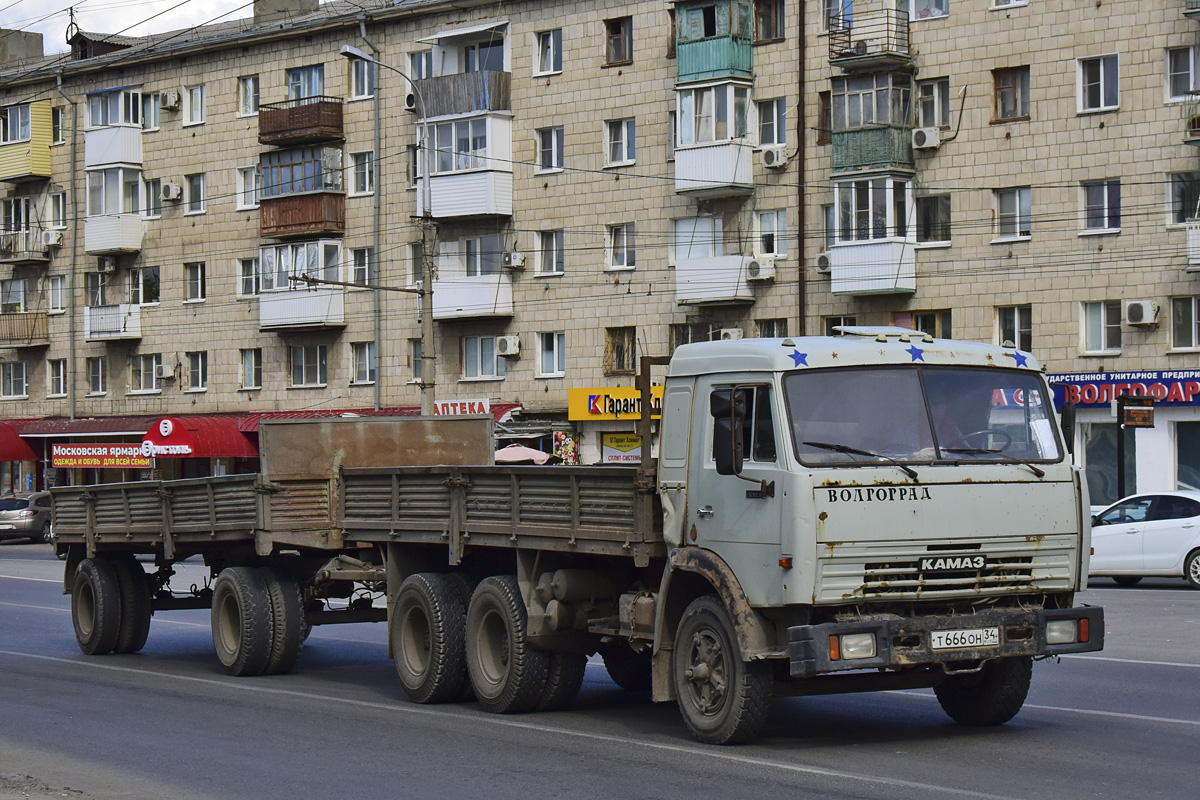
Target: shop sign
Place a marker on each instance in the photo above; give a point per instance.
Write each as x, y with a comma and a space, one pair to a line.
453, 408
620, 448
103, 456
181, 447
1169, 388
619, 402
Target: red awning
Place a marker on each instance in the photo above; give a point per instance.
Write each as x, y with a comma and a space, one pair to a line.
13, 447
198, 437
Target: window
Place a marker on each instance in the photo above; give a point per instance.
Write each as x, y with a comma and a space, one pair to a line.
249, 282
829, 233
363, 167
150, 107
197, 371
620, 351
251, 377
1185, 196
420, 64
416, 263
119, 107
13, 382
306, 82
863, 101
143, 285
247, 95
97, 375
713, 113
56, 376
1098, 83
415, 359
618, 37
484, 56
1011, 94
480, 360
116, 190
362, 79
620, 250
622, 141
933, 103
933, 218
193, 104
194, 197
1016, 326
1185, 323
935, 323
481, 255
153, 198
58, 210
550, 149
552, 354
1006, 3
248, 185
317, 259
12, 296
832, 323
549, 52
17, 212
772, 233
416, 158
308, 365
95, 286
772, 121
57, 136
362, 356
1012, 213
1102, 206
824, 117
300, 169
1102, 327
364, 265
57, 291
672, 134
872, 208
698, 237
928, 9
551, 256
194, 289
771, 328
683, 334
1183, 71
144, 371
768, 20
460, 145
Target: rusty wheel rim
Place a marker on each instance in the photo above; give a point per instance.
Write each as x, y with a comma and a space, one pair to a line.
706, 673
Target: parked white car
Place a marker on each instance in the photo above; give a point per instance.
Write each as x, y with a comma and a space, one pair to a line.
1155, 534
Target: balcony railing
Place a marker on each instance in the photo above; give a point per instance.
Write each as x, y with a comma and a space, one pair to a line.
112, 323
870, 39
715, 57
713, 280
464, 93
308, 119
317, 307
719, 169
302, 214
24, 329
883, 147
877, 266
468, 297
26, 247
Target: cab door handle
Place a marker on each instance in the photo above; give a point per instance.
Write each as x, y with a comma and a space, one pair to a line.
705, 513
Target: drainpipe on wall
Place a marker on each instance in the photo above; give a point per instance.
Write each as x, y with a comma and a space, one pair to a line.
802, 158
376, 253
75, 219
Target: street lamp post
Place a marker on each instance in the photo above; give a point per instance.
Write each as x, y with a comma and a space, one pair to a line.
428, 236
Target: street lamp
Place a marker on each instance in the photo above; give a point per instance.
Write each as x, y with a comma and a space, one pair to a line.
428, 356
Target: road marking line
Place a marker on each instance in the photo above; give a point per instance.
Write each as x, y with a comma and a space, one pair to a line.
1084, 711
1135, 661
35, 580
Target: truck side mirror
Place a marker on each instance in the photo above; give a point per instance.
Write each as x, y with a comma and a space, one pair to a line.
728, 409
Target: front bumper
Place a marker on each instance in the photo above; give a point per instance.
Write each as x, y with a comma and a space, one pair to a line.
901, 642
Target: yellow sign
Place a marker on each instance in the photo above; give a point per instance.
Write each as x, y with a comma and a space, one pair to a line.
620, 402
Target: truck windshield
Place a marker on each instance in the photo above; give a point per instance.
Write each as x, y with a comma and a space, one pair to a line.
869, 415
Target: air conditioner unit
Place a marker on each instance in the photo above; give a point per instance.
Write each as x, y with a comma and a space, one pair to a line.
861, 47
926, 138
513, 260
509, 346
52, 238
172, 191
1141, 312
164, 372
729, 334
8, 243
106, 264
410, 101
760, 269
774, 157
169, 100
823, 262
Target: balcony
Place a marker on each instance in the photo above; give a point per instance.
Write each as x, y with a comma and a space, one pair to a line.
26, 247
464, 93
1191, 8
113, 234
29, 160
112, 323
879, 266
1191, 119
885, 147
714, 57
24, 329
118, 144
302, 215
478, 193
1193, 245
472, 297
714, 280
720, 169
298, 309
870, 40
303, 121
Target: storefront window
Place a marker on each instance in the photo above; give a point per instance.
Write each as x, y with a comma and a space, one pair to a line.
1187, 455
1100, 456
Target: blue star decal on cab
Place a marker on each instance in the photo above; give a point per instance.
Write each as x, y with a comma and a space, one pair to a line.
917, 353
799, 358
1020, 358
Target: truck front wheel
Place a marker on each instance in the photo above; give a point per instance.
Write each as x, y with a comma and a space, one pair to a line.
991, 696
723, 699
96, 606
507, 674
242, 621
428, 639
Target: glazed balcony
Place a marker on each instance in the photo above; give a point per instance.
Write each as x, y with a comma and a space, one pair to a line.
112, 323
113, 234
478, 193
472, 297
29, 159
308, 214
877, 266
1191, 119
27, 247
116, 144
463, 93
870, 40
315, 307
1191, 8
716, 169
24, 329
1193, 245
883, 147
714, 57
713, 280
303, 121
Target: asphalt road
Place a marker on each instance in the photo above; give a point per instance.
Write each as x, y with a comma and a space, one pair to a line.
168, 723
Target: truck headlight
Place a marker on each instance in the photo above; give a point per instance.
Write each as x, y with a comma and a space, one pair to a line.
1062, 631
858, 645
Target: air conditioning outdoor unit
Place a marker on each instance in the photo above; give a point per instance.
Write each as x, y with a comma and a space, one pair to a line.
106, 264
169, 100
823, 262
164, 372
52, 238
172, 191
774, 157
729, 334
861, 47
926, 138
513, 259
508, 346
1141, 312
410, 101
761, 269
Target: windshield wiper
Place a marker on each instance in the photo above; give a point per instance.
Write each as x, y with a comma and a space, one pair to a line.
845, 448
981, 450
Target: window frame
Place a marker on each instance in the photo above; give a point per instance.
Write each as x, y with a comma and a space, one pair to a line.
195, 193
1107, 82
141, 280
725, 116
552, 246
1105, 323
143, 365
247, 177
151, 111
863, 203
152, 187
555, 136
1108, 207
1020, 90
774, 12
1022, 215
97, 376
309, 78
56, 294
618, 41
553, 343
195, 282
250, 360
620, 137
56, 377
1020, 325
362, 171
548, 43
249, 277
363, 265
364, 364
620, 246
249, 98
1191, 322
319, 365
197, 361
932, 99
926, 224
934, 13
478, 355
772, 113
778, 231
363, 79
195, 102
620, 350
14, 382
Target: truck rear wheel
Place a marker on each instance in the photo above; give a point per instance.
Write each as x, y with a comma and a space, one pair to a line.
723, 699
134, 592
564, 677
508, 676
991, 696
429, 639
96, 606
287, 621
242, 621
628, 668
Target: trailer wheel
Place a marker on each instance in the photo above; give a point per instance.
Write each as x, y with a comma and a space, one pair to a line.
134, 591
96, 606
723, 699
628, 668
242, 621
428, 638
287, 620
564, 677
991, 696
507, 675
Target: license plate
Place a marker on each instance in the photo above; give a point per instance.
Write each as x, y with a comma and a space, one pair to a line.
6, 526
961, 639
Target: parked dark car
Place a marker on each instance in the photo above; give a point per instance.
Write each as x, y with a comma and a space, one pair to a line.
25, 516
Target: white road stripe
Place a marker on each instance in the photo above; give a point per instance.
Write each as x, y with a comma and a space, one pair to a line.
1135, 661
35, 580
